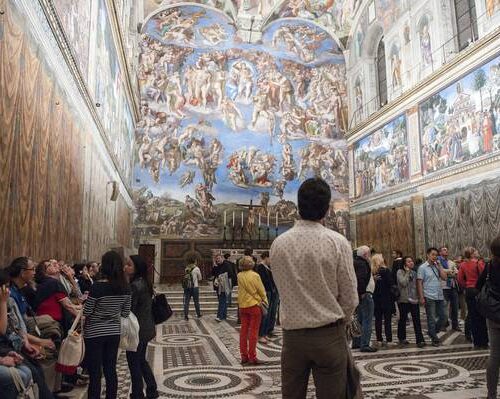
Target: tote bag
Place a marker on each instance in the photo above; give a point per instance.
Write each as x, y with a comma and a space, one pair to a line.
72, 349
129, 337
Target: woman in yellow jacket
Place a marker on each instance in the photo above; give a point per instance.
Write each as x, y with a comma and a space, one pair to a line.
251, 294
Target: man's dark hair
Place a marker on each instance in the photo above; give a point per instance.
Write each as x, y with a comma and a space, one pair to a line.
398, 252
191, 258
17, 266
248, 251
227, 256
432, 249
314, 199
495, 247
264, 255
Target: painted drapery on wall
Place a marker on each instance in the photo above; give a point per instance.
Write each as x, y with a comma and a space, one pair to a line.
75, 19
462, 122
108, 90
464, 217
381, 158
39, 150
235, 122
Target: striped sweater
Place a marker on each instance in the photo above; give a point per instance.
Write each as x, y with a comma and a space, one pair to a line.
103, 309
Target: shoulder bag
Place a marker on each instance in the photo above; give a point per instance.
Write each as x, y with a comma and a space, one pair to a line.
160, 308
72, 349
488, 299
23, 391
129, 337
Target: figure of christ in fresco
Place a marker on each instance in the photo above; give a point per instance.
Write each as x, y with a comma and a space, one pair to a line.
261, 109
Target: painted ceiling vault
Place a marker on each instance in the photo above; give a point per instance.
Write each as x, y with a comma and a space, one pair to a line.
228, 120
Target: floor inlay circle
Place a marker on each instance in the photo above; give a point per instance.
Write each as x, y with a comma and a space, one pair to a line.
209, 384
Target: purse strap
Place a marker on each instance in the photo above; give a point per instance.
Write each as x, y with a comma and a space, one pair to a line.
18, 381
75, 322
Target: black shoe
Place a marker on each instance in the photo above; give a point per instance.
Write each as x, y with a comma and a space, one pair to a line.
199, 316
186, 318
421, 344
403, 342
368, 349
436, 343
355, 347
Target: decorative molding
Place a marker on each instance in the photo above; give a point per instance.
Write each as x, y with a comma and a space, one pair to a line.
55, 37
120, 45
403, 190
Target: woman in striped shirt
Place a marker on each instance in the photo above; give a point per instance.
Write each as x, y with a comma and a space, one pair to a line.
108, 300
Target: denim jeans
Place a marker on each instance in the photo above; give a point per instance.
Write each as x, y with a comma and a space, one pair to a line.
140, 372
222, 308
451, 298
195, 293
264, 325
436, 317
273, 311
494, 359
230, 295
365, 317
7, 387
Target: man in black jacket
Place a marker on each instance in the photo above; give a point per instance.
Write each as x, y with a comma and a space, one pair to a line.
366, 286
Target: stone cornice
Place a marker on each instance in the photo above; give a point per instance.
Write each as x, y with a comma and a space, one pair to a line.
65, 48
397, 106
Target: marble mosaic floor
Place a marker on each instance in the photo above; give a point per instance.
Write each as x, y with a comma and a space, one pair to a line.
199, 359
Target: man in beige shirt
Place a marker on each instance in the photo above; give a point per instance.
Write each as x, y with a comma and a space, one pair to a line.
313, 270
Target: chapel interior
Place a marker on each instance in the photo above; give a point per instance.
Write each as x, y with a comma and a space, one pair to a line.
167, 128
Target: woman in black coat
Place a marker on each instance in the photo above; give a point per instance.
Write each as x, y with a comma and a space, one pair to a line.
382, 298
142, 301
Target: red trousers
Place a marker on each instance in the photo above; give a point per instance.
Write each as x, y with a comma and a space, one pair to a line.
249, 333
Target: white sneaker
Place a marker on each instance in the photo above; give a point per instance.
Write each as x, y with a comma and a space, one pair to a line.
218, 320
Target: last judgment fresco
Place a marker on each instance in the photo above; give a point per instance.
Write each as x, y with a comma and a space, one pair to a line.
230, 129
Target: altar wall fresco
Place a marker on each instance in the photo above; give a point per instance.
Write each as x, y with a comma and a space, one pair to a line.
225, 122
462, 121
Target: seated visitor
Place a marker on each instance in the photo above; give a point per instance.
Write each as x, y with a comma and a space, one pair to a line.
14, 340
51, 296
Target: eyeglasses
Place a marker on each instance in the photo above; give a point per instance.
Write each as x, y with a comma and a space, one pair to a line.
29, 269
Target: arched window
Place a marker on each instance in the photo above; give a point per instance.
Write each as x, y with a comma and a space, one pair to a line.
466, 20
381, 74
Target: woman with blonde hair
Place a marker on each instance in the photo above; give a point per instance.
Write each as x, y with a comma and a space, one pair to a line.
251, 294
382, 298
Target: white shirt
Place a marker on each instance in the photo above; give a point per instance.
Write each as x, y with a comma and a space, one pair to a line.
313, 270
196, 274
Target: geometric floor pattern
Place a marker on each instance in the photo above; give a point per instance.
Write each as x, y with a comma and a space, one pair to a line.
199, 358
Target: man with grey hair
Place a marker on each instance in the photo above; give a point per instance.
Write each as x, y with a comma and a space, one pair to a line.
366, 286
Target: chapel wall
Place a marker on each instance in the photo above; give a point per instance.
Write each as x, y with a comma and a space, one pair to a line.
56, 168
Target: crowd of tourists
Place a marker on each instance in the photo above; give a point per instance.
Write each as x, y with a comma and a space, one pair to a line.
42, 303
327, 296
312, 273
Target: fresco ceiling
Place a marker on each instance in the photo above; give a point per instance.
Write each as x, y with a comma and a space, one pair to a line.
226, 121
334, 16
